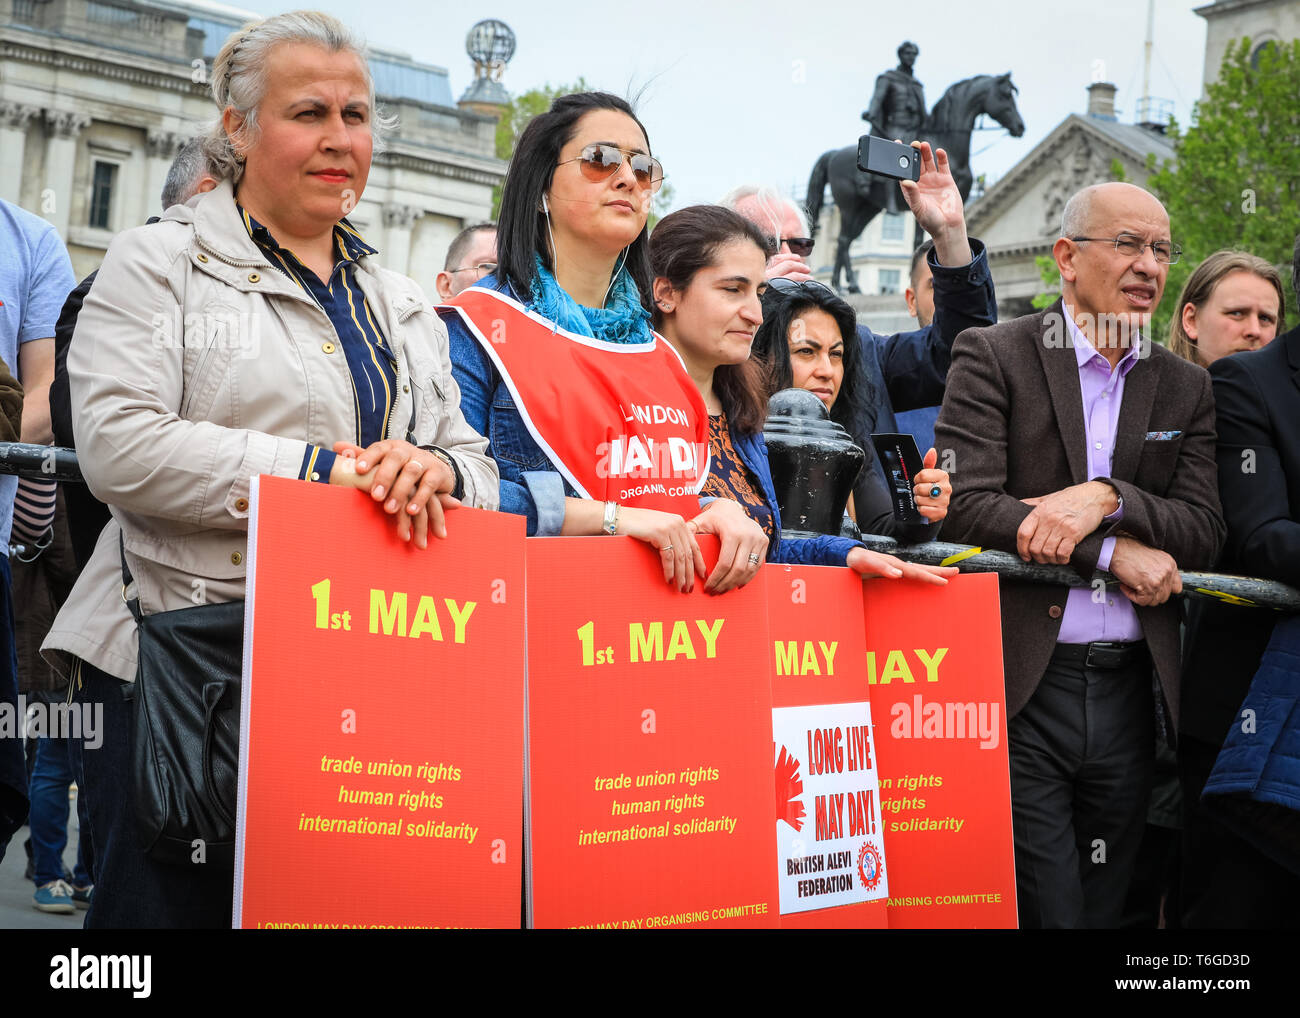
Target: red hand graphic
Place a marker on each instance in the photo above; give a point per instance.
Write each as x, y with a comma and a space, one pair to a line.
789, 786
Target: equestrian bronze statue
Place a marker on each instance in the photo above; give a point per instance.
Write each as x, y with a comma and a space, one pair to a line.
861, 196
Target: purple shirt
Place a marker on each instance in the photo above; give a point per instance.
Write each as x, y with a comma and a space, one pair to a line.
1113, 618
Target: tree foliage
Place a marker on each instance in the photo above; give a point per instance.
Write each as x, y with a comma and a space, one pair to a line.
527, 105
1235, 178
522, 109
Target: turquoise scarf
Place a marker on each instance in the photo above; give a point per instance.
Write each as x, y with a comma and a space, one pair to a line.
621, 320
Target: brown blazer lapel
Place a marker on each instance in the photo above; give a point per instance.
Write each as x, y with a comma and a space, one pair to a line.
1062, 370
1140, 386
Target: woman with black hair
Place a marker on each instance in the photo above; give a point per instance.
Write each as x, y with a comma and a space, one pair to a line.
593, 421
709, 274
808, 340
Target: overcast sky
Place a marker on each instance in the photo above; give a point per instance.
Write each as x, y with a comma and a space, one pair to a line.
757, 90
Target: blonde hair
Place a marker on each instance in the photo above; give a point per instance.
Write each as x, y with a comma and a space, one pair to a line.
1200, 286
239, 80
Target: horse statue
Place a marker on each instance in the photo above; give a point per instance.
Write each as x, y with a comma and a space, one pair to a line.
860, 196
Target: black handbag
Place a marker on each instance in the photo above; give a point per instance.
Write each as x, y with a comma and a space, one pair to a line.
185, 755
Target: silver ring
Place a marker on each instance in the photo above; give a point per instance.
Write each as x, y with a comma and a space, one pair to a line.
666, 547
753, 559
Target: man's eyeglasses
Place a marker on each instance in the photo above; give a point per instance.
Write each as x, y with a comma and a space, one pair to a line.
482, 268
802, 246
1131, 247
600, 162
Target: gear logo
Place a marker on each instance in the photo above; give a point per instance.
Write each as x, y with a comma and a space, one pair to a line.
870, 866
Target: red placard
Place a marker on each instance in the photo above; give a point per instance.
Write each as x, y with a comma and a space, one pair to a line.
650, 712
831, 861
382, 718
934, 664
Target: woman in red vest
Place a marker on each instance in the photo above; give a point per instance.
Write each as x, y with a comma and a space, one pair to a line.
593, 421
709, 275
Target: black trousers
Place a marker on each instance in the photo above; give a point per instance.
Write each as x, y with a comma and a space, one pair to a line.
131, 890
1081, 754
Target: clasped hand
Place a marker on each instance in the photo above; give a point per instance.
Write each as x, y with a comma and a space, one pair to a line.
1147, 576
1061, 520
414, 484
743, 544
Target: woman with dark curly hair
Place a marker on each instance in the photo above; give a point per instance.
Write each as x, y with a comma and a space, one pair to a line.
809, 341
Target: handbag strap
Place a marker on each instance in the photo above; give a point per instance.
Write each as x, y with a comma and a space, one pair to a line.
134, 602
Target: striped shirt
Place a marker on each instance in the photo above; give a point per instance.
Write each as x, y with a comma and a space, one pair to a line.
370, 360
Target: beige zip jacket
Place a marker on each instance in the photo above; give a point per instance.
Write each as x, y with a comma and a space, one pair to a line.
195, 366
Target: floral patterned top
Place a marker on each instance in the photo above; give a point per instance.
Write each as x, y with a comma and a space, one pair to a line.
728, 477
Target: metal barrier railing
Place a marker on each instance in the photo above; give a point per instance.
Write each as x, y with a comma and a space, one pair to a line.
44, 462
1246, 591
55, 463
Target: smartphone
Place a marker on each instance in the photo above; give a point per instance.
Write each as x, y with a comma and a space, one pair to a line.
902, 461
888, 158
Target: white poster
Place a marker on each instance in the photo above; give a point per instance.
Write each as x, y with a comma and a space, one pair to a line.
829, 834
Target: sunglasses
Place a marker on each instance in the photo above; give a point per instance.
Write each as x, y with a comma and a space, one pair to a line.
600, 162
791, 288
802, 246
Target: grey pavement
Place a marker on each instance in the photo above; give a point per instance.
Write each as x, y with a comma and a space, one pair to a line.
16, 911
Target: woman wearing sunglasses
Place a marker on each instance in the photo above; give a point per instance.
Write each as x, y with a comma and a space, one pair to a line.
808, 340
709, 266
593, 421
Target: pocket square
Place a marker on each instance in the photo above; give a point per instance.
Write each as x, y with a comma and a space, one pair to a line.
1162, 436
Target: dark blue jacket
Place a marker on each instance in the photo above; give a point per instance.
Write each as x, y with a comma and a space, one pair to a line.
1255, 786
908, 370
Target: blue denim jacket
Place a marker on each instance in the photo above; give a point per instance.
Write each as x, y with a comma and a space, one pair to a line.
531, 487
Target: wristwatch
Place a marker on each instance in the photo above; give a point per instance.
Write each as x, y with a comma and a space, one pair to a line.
610, 524
459, 490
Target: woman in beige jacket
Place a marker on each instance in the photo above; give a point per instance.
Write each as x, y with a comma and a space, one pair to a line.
249, 332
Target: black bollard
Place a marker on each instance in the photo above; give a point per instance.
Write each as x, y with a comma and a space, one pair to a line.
814, 463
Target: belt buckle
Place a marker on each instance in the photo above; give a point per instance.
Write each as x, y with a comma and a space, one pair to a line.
1102, 656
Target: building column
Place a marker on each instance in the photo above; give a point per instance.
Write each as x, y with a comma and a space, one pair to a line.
62, 129
13, 140
161, 148
398, 221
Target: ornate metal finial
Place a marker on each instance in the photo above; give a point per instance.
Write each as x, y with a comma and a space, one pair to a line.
814, 463
490, 44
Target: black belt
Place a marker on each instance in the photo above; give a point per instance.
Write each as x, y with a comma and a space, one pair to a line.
1103, 655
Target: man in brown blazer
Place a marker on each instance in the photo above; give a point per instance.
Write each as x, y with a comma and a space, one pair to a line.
1075, 441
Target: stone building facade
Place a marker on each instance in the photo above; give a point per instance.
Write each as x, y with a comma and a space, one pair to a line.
1019, 217
97, 96
1260, 21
